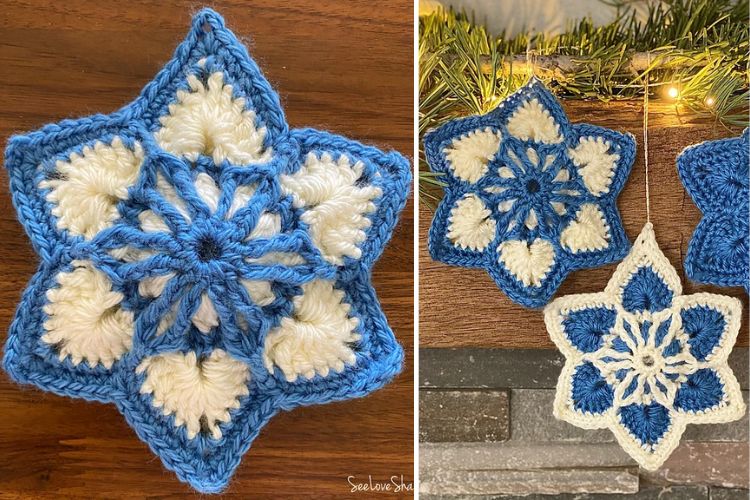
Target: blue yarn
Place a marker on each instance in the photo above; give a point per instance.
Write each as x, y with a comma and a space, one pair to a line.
207, 255
648, 423
631, 388
702, 390
591, 393
716, 174
620, 345
646, 291
532, 188
705, 327
661, 330
586, 328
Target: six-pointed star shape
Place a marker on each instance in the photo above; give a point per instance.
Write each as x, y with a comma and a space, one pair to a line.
529, 196
202, 266
643, 360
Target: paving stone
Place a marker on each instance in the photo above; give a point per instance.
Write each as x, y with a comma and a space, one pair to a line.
728, 494
532, 421
515, 368
510, 455
491, 368
463, 415
713, 464
525, 482
650, 493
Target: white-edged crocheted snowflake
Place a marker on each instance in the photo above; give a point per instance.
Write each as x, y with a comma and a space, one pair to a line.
202, 266
642, 359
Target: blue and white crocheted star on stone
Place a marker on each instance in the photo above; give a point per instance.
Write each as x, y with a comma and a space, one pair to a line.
202, 266
644, 360
529, 196
716, 174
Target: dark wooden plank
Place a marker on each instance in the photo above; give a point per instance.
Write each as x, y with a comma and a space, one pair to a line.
489, 319
341, 66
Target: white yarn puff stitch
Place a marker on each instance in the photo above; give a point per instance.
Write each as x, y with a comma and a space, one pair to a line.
643, 360
529, 196
202, 266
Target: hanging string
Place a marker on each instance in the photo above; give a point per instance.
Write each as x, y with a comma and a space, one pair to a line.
529, 60
645, 137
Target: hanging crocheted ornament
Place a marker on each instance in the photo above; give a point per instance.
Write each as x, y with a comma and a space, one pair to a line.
644, 360
529, 196
202, 266
716, 175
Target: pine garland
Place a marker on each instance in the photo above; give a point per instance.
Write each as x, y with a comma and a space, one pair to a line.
697, 48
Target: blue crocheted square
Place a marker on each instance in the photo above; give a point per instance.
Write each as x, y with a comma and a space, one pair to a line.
529, 196
716, 174
202, 266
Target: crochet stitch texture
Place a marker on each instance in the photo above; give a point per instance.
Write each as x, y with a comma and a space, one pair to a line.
529, 196
642, 359
202, 266
716, 175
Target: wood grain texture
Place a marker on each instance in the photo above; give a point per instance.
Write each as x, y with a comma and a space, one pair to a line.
487, 318
341, 66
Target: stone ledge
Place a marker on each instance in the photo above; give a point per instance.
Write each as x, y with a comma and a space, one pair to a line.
510, 455
650, 493
714, 464
514, 368
463, 415
524, 482
532, 421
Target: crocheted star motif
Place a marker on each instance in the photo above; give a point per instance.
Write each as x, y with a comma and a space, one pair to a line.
644, 360
202, 266
529, 196
716, 175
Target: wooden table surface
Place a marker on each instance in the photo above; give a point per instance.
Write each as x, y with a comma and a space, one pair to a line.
490, 319
341, 66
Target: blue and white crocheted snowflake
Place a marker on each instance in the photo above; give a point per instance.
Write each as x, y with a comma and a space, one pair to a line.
202, 266
529, 196
644, 360
716, 174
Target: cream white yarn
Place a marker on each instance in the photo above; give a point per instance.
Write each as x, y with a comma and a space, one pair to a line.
469, 155
471, 224
92, 183
317, 338
595, 163
532, 121
587, 232
336, 205
208, 119
84, 318
199, 392
529, 263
